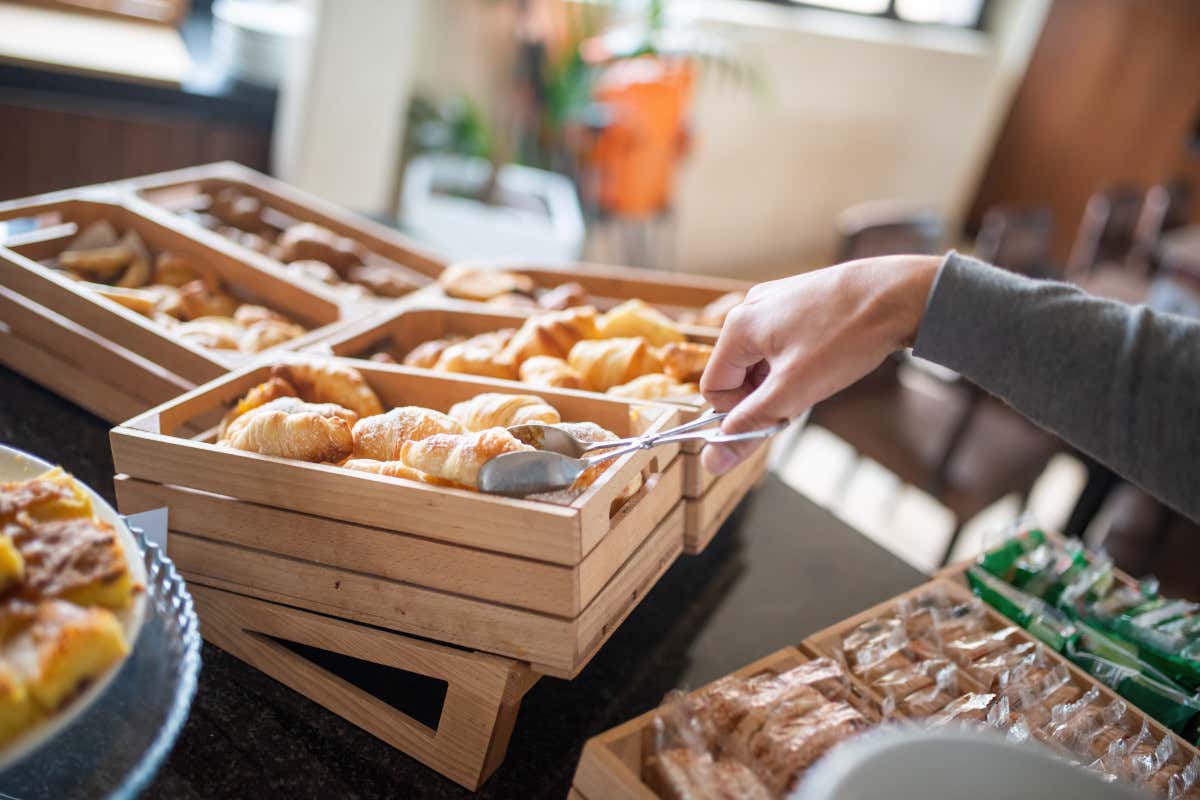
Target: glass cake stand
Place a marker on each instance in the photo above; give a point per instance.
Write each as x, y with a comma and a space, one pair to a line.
116, 744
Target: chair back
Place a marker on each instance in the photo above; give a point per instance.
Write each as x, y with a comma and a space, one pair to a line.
1017, 240
888, 228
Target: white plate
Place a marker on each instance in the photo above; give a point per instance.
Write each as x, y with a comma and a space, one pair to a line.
16, 465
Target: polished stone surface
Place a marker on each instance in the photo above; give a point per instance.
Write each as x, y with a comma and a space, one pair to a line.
781, 569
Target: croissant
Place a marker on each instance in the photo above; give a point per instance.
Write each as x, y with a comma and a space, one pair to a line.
393, 469
551, 334
292, 405
482, 283
427, 354
197, 300
713, 315
249, 313
636, 318
567, 295
605, 363
218, 333
384, 280
294, 431
655, 387
479, 355
550, 371
589, 432
459, 457
329, 382
308, 241
380, 437
496, 410
263, 393
514, 301
267, 333
684, 361
173, 269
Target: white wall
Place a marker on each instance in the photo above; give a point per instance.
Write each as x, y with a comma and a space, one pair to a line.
858, 109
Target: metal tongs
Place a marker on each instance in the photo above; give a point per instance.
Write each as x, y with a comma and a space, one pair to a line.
560, 457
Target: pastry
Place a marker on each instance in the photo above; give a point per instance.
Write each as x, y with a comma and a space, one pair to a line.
394, 469
79, 559
380, 437
636, 318
655, 386
237, 209
172, 269
383, 280
467, 282
217, 333
684, 361
496, 410
713, 315
263, 393
290, 428
426, 354
479, 355
551, 334
458, 457
514, 301
102, 263
605, 363
308, 241
550, 371
248, 314
197, 300
566, 295
143, 301
314, 270
266, 333
330, 382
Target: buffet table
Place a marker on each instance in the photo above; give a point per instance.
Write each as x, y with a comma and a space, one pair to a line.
781, 569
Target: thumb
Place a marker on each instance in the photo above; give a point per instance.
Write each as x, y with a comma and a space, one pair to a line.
760, 409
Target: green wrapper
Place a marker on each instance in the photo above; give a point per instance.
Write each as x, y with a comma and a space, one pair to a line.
1001, 561
1031, 613
1173, 708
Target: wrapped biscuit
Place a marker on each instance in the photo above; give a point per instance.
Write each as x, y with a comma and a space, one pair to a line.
930, 700
974, 646
993, 670
901, 683
971, 707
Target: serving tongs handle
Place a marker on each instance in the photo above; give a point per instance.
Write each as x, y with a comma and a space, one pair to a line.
699, 422
682, 433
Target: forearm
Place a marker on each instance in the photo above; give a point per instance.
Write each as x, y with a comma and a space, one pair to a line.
1120, 383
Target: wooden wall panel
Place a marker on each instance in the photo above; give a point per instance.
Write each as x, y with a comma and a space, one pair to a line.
1111, 95
45, 147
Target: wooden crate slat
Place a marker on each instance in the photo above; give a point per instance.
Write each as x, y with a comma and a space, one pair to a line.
706, 515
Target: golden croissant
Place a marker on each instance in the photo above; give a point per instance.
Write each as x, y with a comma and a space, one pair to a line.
295, 431
216, 333
605, 363
393, 469
636, 318
684, 361
265, 333
329, 382
263, 393
479, 355
381, 436
458, 457
550, 371
496, 410
655, 386
482, 283
551, 334
427, 354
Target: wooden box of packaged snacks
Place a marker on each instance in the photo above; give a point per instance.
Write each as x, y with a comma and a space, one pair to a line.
418, 572
317, 241
171, 310
418, 335
1062, 706
698, 303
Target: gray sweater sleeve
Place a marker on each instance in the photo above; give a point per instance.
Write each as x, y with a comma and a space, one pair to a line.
1121, 383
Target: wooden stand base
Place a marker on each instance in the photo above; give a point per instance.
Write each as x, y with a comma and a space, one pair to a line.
483, 691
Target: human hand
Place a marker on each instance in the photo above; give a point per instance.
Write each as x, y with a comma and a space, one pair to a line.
798, 340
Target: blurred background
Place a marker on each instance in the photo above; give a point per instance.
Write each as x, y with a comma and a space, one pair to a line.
746, 138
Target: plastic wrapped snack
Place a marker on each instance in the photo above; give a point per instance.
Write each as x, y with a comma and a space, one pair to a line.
933, 699
971, 707
901, 683
994, 669
786, 745
883, 656
1049, 624
1072, 723
975, 646
1001, 561
869, 634
1165, 702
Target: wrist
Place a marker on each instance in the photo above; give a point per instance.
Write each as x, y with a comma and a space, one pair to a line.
904, 284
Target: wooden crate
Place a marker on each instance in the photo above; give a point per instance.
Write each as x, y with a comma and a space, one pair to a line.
608, 285
179, 190
344, 543
710, 499
108, 380
612, 765
827, 642
61, 215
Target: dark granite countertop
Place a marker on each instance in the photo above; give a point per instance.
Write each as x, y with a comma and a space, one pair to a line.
779, 570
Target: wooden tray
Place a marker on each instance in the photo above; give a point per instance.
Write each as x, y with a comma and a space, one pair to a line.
673, 292
111, 382
613, 763
827, 642
178, 190
338, 541
710, 499
61, 215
